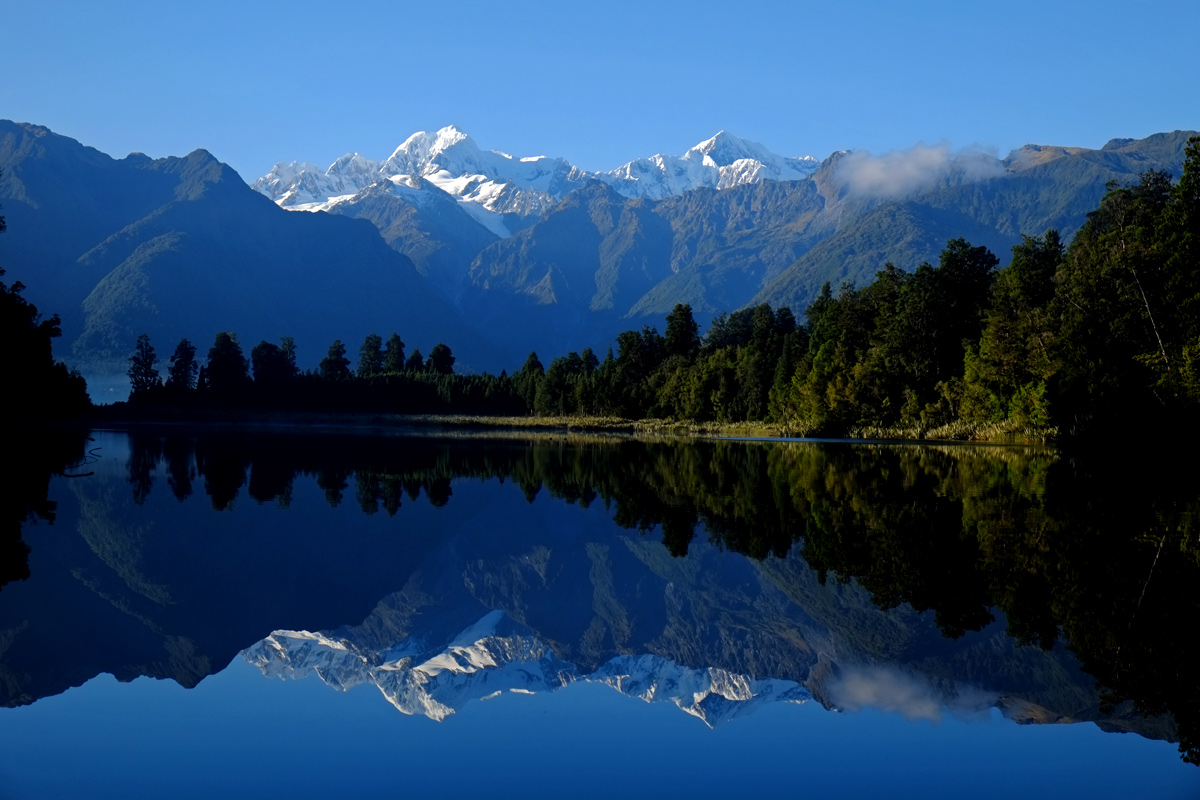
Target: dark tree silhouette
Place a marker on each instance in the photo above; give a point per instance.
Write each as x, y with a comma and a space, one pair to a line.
370, 356
393, 358
335, 366
416, 362
227, 371
143, 375
683, 334
270, 364
182, 374
41, 387
441, 360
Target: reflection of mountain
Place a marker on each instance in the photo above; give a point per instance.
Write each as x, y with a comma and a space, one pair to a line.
497, 655
198, 546
716, 635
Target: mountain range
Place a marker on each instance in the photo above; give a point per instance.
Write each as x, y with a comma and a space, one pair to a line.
493, 254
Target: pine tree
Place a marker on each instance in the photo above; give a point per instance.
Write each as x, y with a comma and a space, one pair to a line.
441, 360
393, 358
143, 375
335, 366
182, 374
370, 356
228, 372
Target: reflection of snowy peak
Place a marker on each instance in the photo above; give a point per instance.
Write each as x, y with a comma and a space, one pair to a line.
494, 655
712, 695
451, 161
497, 655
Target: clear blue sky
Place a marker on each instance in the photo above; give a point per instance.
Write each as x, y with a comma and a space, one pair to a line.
598, 83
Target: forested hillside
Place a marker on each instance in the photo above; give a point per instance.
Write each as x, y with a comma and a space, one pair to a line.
1066, 340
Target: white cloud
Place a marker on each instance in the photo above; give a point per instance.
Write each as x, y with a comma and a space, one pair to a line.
901, 172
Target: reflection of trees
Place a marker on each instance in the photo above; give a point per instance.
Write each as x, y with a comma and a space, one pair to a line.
223, 464
33, 456
1074, 547
181, 469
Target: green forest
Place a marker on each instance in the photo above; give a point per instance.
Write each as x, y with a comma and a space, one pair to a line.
1066, 340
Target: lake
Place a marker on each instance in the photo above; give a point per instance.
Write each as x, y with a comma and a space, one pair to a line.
240, 612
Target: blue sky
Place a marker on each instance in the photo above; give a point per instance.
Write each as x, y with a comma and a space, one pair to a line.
597, 83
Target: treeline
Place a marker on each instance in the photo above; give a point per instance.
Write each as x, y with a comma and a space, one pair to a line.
385, 380
42, 388
1074, 339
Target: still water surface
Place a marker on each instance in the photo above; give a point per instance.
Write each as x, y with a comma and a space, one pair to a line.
587, 617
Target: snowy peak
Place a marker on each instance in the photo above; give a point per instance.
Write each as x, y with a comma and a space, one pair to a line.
353, 165
722, 162
725, 148
494, 184
301, 186
423, 152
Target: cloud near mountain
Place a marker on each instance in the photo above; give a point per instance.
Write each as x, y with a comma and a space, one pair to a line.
899, 173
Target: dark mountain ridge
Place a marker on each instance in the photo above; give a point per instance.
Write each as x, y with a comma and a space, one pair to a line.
181, 247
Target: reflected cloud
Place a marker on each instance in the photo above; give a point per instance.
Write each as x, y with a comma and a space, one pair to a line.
896, 692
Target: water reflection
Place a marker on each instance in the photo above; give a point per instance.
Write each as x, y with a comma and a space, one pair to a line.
495, 656
736, 573
34, 459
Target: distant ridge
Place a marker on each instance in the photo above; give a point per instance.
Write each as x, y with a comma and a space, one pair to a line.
182, 248
497, 255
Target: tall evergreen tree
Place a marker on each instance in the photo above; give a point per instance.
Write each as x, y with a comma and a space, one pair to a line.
526, 380
182, 374
287, 345
415, 362
335, 366
441, 360
1008, 375
227, 373
371, 356
143, 375
683, 334
270, 365
393, 359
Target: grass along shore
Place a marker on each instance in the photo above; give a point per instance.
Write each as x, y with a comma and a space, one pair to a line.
126, 415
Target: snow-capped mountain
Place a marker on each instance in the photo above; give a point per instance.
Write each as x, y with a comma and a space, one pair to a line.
496, 184
453, 162
306, 186
497, 655
721, 162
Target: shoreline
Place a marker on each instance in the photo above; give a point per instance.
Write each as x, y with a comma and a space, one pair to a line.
126, 418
